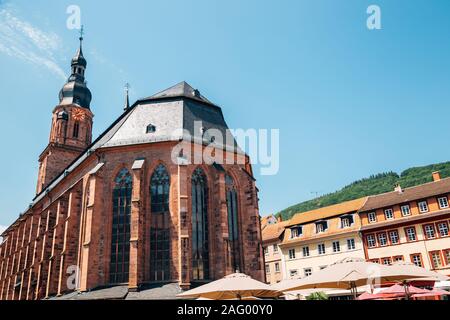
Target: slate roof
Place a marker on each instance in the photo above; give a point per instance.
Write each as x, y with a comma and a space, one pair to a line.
149, 292
172, 111
408, 194
182, 89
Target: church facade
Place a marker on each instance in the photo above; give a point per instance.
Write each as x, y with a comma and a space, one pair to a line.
134, 206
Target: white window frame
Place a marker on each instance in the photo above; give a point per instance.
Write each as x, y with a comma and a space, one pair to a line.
319, 251
418, 262
397, 236
371, 240
423, 206
345, 222
267, 267
436, 257
307, 272
275, 248
426, 229
294, 233
439, 224
291, 254
385, 237
320, 228
372, 217
391, 214
305, 251
336, 246
408, 211
353, 244
443, 202
408, 233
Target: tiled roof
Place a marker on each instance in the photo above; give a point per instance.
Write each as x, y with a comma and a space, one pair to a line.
273, 231
408, 194
327, 212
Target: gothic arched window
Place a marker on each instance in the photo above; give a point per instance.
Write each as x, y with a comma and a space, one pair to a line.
76, 129
233, 224
160, 225
200, 243
120, 236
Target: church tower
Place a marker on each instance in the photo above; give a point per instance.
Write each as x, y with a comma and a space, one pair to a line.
71, 130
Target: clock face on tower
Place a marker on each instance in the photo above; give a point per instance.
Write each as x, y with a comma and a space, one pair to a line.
78, 114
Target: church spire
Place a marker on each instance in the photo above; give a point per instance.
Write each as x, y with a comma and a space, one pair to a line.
75, 90
127, 99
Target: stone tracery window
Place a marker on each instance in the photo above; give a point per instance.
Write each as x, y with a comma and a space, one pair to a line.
200, 236
233, 224
120, 236
160, 225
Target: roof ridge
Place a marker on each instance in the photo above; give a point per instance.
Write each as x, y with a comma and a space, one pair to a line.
408, 188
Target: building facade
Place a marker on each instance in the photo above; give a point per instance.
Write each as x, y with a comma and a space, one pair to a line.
135, 206
409, 224
272, 235
318, 238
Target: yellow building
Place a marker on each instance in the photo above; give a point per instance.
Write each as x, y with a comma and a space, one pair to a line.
314, 239
272, 234
410, 224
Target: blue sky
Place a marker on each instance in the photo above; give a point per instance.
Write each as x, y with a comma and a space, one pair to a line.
349, 102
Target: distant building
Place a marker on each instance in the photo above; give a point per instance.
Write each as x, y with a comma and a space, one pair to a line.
409, 224
272, 235
318, 238
125, 209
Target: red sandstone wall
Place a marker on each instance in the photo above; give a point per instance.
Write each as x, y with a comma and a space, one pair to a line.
72, 226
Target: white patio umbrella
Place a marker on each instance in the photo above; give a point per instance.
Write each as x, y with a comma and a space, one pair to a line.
351, 273
407, 268
233, 286
346, 274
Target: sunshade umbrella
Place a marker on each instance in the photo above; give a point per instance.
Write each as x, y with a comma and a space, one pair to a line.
374, 296
407, 268
431, 293
354, 272
340, 275
233, 286
402, 290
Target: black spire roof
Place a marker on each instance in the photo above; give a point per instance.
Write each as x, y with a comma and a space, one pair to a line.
75, 90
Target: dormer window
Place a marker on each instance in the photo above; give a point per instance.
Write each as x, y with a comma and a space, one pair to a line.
321, 226
150, 128
296, 232
346, 221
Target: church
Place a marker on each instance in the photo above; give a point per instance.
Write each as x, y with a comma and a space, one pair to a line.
132, 207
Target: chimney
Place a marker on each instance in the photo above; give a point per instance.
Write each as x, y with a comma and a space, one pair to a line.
398, 188
436, 176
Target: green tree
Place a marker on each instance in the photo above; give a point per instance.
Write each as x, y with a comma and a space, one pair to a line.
317, 296
373, 185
